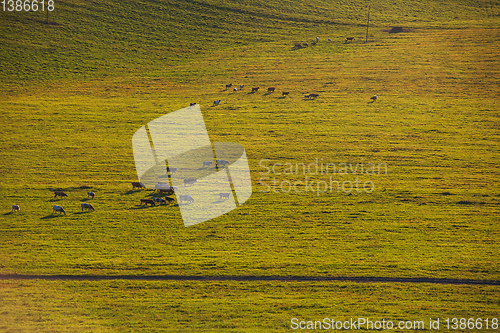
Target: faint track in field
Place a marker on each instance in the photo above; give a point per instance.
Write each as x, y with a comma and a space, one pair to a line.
247, 279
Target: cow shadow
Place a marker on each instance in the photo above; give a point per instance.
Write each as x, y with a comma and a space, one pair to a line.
219, 201
131, 192
51, 216
142, 207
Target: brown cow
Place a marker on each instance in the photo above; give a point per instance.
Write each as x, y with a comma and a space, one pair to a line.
255, 89
349, 39
270, 89
137, 185
284, 93
59, 194
148, 201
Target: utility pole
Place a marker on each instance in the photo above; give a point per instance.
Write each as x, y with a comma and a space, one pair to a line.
367, 23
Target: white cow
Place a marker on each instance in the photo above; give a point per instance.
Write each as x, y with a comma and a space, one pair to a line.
88, 206
58, 209
186, 197
223, 196
16, 208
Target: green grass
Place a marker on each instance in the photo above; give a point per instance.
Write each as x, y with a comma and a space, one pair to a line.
127, 306
75, 93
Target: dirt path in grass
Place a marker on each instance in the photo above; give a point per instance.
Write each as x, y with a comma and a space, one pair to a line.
247, 279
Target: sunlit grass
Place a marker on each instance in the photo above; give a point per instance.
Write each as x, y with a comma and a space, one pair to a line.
75, 93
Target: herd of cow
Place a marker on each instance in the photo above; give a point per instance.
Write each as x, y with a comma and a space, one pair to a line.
255, 89
304, 44
60, 209
160, 188
272, 89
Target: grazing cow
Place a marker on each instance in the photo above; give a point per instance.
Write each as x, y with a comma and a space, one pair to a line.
16, 208
91, 194
189, 181
169, 199
222, 163
255, 89
307, 96
185, 197
159, 200
58, 209
148, 201
162, 186
88, 206
313, 43
271, 89
229, 85
192, 104
137, 185
59, 194
349, 39
168, 191
217, 102
207, 163
223, 196
313, 95
242, 86
374, 98
285, 93
305, 44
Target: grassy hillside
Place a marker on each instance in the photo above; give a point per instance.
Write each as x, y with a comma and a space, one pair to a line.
108, 38
76, 91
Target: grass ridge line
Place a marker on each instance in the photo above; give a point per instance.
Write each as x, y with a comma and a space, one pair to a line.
247, 278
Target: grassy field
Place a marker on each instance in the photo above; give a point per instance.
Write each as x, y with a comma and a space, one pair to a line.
75, 92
